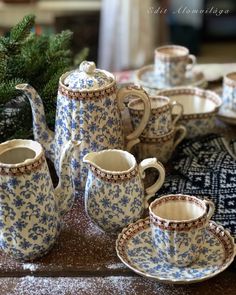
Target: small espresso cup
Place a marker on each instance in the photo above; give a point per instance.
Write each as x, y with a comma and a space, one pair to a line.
160, 120
171, 64
178, 224
229, 91
161, 147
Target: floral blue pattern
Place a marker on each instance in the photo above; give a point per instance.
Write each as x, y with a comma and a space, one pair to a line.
30, 219
30, 208
135, 248
96, 124
229, 96
178, 247
170, 73
78, 80
112, 206
158, 124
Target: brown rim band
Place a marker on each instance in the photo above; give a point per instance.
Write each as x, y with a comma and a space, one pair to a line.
81, 95
24, 169
114, 177
230, 81
156, 111
160, 53
181, 226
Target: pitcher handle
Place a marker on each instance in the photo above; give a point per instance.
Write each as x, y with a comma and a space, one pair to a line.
137, 91
151, 190
180, 114
182, 133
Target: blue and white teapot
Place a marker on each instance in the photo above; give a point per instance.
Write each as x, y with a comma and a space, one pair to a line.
88, 110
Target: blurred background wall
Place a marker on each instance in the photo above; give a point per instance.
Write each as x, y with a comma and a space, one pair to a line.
122, 34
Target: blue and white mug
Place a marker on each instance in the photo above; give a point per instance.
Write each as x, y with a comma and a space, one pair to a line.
172, 63
178, 224
229, 91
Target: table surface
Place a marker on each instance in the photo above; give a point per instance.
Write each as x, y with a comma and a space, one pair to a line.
84, 261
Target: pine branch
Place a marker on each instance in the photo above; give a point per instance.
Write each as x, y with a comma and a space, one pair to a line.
20, 32
37, 60
8, 91
60, 41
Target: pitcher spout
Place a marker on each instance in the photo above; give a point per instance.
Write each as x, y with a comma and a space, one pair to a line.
64, 192
42, 133
112, 160
89, 158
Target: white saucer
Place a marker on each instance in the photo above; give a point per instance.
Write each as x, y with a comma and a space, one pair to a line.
227, 115
146, 78
135, 249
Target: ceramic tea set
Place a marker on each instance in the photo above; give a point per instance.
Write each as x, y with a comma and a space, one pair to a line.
92, 152
88, 110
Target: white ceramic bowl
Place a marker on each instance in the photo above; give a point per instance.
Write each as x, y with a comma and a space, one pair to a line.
200, 108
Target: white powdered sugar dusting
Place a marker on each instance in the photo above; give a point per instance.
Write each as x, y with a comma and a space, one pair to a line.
30, 266
114, 285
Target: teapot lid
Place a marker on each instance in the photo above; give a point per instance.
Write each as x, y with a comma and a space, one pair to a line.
88, 77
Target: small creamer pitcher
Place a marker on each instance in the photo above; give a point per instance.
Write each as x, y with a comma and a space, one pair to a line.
114, 193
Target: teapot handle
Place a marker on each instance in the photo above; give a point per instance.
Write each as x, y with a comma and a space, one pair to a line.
151, 190
122, 93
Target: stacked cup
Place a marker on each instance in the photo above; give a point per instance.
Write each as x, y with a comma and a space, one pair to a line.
161, 135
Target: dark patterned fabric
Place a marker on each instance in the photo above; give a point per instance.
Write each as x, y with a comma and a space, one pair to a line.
206, 167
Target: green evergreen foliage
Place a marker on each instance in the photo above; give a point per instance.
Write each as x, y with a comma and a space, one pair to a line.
38, 60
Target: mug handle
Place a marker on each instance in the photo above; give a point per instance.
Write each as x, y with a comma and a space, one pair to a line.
137, 91
182, 133
191, 61
180, 114
211, 207
151, 190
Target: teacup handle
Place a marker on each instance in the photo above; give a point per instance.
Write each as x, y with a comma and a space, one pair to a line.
191, 61
137, 91
151, 190
181, 110
211, 207
182, 133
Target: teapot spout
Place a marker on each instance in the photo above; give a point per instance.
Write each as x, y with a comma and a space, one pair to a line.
64, 192
42, 133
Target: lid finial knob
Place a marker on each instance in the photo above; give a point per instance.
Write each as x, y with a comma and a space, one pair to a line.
88, 67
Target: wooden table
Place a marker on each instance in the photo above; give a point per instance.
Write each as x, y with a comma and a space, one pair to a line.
84, 261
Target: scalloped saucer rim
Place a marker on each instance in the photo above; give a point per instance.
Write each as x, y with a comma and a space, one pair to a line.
143, 225
200, 82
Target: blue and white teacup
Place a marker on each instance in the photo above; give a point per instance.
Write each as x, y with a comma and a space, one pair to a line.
161, 120
178, 224
229, 91
172, 63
